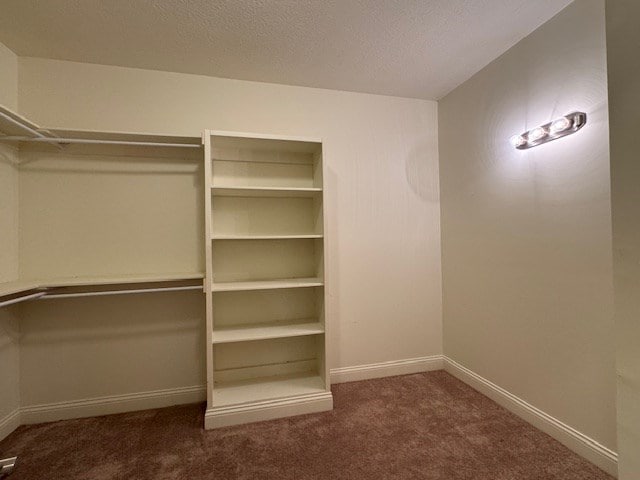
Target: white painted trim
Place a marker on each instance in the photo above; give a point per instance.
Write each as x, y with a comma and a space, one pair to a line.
386, 369
580, 443
267, 410
262, 136
93, 407
9, 423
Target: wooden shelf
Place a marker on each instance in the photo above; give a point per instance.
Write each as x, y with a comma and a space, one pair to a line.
267, 237
267, 284
250, 333
265, 191
248, 391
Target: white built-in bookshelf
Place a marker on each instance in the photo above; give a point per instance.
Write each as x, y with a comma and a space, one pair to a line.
264, 284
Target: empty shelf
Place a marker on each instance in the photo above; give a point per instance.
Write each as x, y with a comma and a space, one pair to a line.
266, 237
233, 393
264, 332
267, 284
12, 288
265, 191
121, 279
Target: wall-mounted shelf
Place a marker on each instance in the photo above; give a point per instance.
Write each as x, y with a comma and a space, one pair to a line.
13, 124
248, 333
14, 288
80, 281
11, 288
50, 288
17, 129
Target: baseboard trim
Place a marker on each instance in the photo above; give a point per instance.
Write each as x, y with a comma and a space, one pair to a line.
580, 443
9, 423
267, 410
108, 405
386, 369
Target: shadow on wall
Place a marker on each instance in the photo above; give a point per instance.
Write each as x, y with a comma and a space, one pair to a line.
419, 172
9, 327
332, 264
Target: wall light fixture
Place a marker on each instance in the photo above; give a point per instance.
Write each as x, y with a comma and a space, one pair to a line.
560, 127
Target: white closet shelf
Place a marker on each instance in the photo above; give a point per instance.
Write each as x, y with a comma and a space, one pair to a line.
265, 191
266, 237
12, 123
250, 333
267, 388
119, 279
267, 284
11, 288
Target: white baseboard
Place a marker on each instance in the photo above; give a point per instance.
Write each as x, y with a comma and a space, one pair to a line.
268, 410
111, 404
583, 445
386, 369
580, 443
9, 423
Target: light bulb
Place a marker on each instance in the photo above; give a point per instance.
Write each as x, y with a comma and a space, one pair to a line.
559, 125
518, 140
536, 134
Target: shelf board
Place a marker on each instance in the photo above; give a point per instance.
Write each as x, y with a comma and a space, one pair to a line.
80, 281
12, 288
250, 333
264, 142
127, 137
248, 391
265, 191
267, 284
8, 126
266, 237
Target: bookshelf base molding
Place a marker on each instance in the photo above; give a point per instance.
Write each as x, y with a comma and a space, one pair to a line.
218, 417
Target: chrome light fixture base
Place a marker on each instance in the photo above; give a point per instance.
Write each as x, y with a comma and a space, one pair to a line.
558, 128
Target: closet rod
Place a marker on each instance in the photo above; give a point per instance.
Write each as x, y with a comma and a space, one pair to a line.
22, 299
22, 126
48, 296
98, 142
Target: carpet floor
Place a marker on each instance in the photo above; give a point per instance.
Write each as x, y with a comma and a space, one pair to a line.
421, 426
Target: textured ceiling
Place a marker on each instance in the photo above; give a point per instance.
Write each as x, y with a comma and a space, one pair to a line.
409, 48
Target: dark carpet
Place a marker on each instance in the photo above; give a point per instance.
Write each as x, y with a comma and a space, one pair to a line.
422, 426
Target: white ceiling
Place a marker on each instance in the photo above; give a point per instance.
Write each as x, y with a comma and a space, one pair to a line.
408, 48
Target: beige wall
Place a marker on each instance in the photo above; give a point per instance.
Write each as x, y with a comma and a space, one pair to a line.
8, 78
383, 276
526, 235
104, 213
623, 44
9, 333
9, 324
